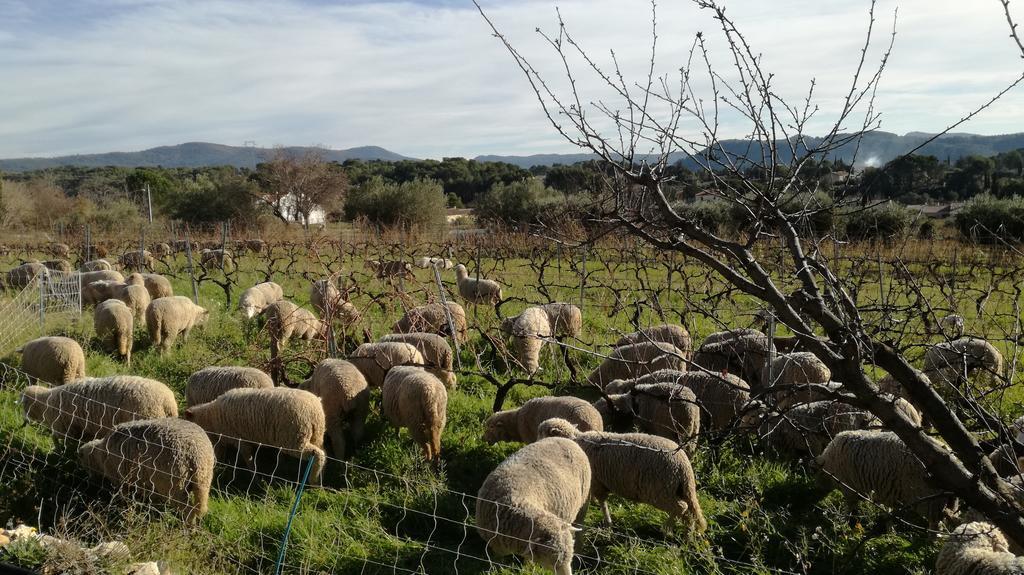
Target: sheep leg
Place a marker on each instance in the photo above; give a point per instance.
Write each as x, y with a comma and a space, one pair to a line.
607, 512
337, 436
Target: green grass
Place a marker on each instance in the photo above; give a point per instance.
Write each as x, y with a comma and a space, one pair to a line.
389, 512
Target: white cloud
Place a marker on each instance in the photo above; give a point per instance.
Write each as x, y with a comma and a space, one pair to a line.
429, 80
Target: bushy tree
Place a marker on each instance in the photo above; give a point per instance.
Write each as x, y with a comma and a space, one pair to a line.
294, 186
887, 222
217, 197
511, 205
417, 204
992, 220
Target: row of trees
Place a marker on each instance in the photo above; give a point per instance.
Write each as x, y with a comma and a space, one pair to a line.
918, 179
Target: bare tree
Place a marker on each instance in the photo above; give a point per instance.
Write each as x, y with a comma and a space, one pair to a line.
636, 131
295, 186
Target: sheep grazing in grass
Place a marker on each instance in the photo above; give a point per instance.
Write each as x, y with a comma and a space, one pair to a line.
617, 386
329, 303
59, 250
217, 258
676, 335
345, 396
169, 317
786, 396
952, 326
435, 351
413, 398
384, 269
880, 465
798, 368
62, 266
630, 361
950, 363
566, 319
640, 467
374, 360
521, 424
25, 275
54, 360
209, 383
740, 352
162, 250
157, 285
977, 548
102, 290
95, 266
440, 263
720, 397
136, 260
808, 428
91, 407
432, 318
258, 297
527, 505
115, 328
137, 299
529, 331
285, 320
663, 409
476, 290
291, 420
167, 459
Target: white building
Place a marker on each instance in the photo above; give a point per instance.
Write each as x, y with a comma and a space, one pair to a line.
317, 216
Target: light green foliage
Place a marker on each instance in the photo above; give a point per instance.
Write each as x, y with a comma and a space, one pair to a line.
418, 204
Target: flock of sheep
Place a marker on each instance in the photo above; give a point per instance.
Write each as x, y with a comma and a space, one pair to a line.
660, 395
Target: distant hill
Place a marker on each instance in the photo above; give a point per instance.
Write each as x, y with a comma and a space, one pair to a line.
191, 155
876, 148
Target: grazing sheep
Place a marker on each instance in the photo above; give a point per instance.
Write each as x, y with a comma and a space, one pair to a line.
720, 397
167, 317
258, 297
136, 260
634, 360
115, 328
431, 318
95, 266
526, 506
521, 424
663, 409
389, 269
952, 326
640, 467
740, 352
257, 246
796, 394
209, 383
440, 263
137, 299
977, 548
157, 285
169, 458
328, 302
291, 420
732, 335
809, 427
91, 407
677, 335
566, 319
285, 320
345, 396
59, 250
413, 398
950, 363
798, 368
374, 360
878, 464
55, 360
62, 266
217, 258
617, 386
528, 331
435, 351
25, 275
102, 290
476, 290
162, 250
422, 262
87, 278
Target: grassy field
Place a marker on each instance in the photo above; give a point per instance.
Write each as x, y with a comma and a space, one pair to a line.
386, 511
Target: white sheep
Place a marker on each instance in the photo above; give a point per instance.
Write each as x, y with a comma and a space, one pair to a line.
677, 335
385, 269
139, 259
630, 361
476, 290
951, 362
285, 320
329, 303
521, 424
529, 331
798, 368
952, 326
101, 290
169, 458
786, 396
291, 420
115, 328
346, 401
638, 466
740, 352
25, 275
91, 407
374, 360
209, 383
157, 285
167, 317
95, 266
137, 299
53, 359
217, 258
977, 548
415, 399
255, 299
566, 319
435, 351
526, 506
432, 318
62, 266
879, 465
663, 409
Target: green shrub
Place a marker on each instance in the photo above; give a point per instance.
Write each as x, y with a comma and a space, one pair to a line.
991, 220
415, 204
885, 222
711, 215
518, 203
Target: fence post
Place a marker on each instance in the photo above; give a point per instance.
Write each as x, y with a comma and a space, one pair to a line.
88, 242
448, 315
191, 269
583, 277
42, 305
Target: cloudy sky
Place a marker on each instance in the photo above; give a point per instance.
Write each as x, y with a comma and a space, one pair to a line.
427, 78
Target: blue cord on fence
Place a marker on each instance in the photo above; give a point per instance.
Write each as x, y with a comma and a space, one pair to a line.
291, 516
